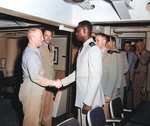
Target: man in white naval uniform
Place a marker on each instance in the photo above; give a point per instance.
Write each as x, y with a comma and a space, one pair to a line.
88, 73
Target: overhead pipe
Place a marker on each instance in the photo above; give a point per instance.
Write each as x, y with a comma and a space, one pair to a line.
136, 29
131, 29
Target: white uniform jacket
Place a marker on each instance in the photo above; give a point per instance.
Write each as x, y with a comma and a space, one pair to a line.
88, 76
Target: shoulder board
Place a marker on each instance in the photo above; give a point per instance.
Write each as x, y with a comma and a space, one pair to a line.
116, 52
110, 51
92, 44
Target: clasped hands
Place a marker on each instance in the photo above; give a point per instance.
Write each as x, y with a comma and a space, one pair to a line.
57, 83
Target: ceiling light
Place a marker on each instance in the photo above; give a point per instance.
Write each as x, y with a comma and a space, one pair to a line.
62, 27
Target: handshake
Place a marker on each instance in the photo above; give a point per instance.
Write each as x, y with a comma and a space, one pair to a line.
57, 83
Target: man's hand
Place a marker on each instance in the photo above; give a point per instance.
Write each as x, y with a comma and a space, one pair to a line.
107, 99
86, 108
131, 78
117, 91
57, 83
137, 53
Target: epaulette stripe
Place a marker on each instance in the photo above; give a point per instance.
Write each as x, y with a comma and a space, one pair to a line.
116, 52
92, 44
110, 51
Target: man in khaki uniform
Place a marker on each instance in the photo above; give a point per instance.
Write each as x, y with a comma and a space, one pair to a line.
122, 68
140, 71
34, 81
109, 70
47, 55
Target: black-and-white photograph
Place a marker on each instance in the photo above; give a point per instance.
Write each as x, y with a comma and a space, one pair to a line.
56, 52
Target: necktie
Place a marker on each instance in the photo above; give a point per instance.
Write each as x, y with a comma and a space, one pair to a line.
49, 48
137, 62
127, 57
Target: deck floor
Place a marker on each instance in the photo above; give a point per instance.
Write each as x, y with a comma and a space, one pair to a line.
11, 112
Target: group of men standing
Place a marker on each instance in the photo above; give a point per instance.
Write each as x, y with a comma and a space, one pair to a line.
124, 73
99, 75
136, 76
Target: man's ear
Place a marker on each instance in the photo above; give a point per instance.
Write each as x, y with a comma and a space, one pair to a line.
104, 42
84, 30
114, 43
143, 46
32, 39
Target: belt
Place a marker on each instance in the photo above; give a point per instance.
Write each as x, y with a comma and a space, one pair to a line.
140, 73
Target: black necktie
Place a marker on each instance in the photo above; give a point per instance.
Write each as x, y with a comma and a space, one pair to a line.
49, 48
137, 62
127, 56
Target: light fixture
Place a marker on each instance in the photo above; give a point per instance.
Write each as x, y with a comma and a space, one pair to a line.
84, 4
62, 27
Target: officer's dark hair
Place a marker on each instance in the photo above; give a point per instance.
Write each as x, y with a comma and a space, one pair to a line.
108, 38
104, 35
113, 38
87, 24
48, 29
127, 42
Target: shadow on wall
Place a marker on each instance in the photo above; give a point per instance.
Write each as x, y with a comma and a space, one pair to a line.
22, 43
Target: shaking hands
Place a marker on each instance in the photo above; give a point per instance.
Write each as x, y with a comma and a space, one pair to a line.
57, 83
